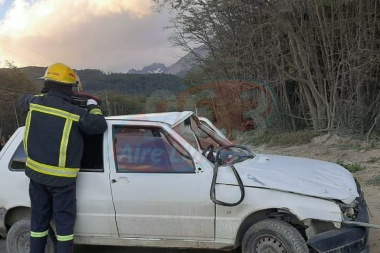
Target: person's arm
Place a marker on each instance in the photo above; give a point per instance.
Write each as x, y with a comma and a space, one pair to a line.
93, 122
24, 102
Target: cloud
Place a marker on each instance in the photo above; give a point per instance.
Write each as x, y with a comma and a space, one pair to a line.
112, 35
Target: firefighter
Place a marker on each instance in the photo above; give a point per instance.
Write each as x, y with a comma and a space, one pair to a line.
53, 143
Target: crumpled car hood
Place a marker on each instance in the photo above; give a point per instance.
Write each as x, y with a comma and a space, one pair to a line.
292, 174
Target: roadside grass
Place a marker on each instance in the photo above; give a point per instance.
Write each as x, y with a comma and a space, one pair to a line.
373, 160
351, 167
280, 139
352, 146
375, 181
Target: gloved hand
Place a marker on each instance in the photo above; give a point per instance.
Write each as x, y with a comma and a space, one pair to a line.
91, 102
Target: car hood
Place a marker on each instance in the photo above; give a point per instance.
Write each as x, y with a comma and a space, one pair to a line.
292, 174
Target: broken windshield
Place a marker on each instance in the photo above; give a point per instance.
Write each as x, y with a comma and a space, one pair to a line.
202, 135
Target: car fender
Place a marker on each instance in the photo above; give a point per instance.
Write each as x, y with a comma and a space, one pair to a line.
304, 208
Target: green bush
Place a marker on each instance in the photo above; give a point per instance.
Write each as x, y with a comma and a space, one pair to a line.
351, 167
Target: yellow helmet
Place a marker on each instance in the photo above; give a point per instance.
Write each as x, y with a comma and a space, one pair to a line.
59, 72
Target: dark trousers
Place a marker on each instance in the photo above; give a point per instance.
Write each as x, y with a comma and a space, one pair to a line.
58, 203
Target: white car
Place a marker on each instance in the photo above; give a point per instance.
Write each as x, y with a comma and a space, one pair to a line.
174, 180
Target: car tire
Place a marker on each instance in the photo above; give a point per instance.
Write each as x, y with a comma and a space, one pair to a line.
273, 236
18, 238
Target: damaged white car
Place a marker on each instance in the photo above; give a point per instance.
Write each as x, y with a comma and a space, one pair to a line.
174, 180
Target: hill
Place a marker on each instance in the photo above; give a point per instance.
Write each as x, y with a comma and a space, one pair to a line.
126, 84
179, 68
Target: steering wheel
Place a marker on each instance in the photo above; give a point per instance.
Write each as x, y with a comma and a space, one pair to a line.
209, 148
222, 153
210, 155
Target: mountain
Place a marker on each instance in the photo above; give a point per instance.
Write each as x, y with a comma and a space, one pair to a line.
180, 68
193, 58
151, 78
154, 68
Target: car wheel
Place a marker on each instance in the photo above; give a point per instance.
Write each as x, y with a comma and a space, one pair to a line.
18, 238
273, 236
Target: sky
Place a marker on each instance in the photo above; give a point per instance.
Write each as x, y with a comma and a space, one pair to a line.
110, 35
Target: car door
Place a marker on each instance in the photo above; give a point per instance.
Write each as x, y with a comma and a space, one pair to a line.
158, 190
95, 212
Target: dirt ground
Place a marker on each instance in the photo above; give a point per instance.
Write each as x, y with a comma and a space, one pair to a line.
348, 151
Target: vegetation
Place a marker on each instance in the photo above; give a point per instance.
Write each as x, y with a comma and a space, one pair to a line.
354, 167
320, 58
120, 93
129, 84
13, 85
279, 139
272, 66
374, 181
373, 160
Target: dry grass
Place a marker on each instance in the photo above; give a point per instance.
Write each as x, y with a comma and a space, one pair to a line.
375, 181
281, 139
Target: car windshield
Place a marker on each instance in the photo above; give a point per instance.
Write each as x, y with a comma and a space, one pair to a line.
205, 137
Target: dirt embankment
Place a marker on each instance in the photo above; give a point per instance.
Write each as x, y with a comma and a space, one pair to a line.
359, 155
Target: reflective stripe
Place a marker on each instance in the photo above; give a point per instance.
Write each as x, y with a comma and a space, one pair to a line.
39, 234
51, 170
64, 142
65, 238
26, 131
54, 111
96, 111
70, 117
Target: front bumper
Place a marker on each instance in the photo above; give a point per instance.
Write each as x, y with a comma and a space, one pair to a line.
349, 238
343, 240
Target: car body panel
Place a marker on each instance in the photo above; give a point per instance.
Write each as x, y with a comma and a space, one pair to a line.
170, 118
162, 205
15, 180
228, 219
298, 175
146, 206
95, 209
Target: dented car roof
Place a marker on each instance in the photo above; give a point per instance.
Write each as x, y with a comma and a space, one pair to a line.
170, 118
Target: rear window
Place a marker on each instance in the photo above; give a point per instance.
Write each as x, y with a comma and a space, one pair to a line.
92, 160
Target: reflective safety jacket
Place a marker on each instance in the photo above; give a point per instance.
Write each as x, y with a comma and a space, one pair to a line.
53, 138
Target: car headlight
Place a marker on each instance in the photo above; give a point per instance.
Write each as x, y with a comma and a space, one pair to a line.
349, 211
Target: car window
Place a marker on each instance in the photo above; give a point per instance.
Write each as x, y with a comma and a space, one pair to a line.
149, 150
184, 129
19, 159
92, 159
204, 139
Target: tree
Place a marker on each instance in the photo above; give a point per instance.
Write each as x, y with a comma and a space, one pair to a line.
12, 84
322, 58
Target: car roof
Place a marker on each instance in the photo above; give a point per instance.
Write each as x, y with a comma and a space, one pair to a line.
170, 118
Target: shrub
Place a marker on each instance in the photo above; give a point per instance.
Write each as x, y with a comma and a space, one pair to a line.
351, 167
